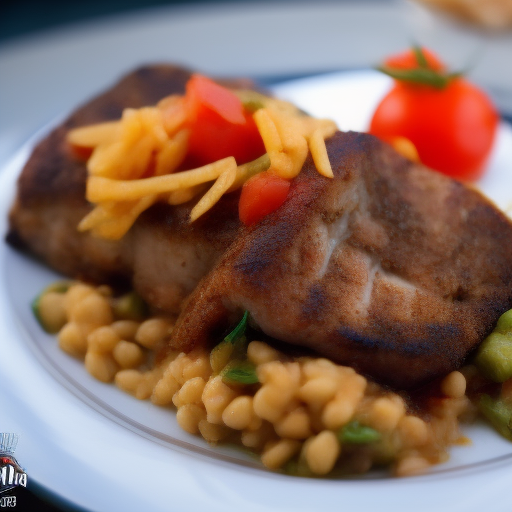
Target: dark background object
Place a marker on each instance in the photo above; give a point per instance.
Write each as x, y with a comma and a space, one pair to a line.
21, 17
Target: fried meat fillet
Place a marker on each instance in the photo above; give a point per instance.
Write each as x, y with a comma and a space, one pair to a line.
388, 267
163, 255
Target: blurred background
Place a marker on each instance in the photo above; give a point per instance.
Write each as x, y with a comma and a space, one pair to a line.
85, 45
22, 17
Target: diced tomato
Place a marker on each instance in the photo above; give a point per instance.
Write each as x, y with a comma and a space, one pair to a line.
262, 194
219, 125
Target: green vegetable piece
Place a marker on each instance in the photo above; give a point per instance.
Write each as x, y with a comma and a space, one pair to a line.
297, 466
130, 306
504, 324
220, 355
239, 331
251, 100
233, 346
246, 171
35, 310
494, 357
253, 105
56, 287
498, 413
356, 433
240, 372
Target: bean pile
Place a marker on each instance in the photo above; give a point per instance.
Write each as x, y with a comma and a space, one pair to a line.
306, 415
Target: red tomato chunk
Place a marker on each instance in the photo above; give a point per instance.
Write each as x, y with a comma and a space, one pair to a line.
219, 125
261, 195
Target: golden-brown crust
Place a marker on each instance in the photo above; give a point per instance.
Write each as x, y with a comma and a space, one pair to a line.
52, 171
51, 202
390, 267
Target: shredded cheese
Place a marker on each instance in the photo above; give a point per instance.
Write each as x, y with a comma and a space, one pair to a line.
134, 161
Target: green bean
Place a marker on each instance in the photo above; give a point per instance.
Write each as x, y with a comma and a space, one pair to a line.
356, 433
130, 306
494, 356
498, 413
57, 287
504, 325
239, 372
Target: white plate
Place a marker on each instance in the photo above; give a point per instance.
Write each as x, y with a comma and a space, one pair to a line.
103, 450
98, 448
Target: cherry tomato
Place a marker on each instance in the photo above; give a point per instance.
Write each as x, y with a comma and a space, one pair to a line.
453, 128
219, 125
262, 194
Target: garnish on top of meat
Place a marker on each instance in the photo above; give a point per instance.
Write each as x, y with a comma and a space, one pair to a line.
171, 152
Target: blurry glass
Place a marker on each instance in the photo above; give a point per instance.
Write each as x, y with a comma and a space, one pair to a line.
474, 36
485, 14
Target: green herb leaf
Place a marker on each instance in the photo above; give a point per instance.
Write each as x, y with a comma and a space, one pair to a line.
238, 331
355, 433
232, 347
251, 100
240, 372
